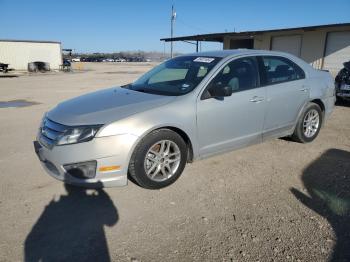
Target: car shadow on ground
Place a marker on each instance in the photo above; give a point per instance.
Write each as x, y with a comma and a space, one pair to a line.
72, 228
327, 181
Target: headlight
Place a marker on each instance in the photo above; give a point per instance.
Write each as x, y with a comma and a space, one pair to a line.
42, 122
78, 134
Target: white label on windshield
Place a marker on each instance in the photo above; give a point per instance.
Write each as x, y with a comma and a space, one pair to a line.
204, 59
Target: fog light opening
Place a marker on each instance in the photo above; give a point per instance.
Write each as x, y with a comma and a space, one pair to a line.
83, 170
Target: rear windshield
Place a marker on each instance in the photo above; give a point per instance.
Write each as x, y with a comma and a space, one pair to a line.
175, 77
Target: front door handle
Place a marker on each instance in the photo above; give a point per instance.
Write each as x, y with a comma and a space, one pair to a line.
256, 99
303, 89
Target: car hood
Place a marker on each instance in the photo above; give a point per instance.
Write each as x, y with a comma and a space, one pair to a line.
105, 106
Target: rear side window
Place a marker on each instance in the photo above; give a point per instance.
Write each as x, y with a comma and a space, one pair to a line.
279, 69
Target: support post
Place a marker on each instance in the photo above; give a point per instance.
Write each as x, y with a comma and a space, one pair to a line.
173, 15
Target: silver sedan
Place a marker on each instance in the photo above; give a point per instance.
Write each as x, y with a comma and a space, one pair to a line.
185, 109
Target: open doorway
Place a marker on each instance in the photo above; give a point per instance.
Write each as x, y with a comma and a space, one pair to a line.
241, 43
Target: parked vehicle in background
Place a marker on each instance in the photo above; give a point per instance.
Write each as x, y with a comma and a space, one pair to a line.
343, 82
4, 67
120, 60
185, 109
76, 59
66, 62
108, 60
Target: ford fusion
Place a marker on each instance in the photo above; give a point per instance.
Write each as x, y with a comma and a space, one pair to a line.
185, 109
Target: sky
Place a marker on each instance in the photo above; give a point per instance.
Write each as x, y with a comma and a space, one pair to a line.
129, 25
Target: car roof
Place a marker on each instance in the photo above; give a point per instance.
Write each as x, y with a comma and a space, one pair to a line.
235, 52
239, 52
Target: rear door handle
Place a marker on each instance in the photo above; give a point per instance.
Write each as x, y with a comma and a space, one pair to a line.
256, 99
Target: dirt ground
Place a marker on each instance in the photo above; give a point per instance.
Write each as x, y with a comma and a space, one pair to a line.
276, 201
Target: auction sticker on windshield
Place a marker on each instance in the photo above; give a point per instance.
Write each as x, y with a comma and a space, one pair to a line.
204, 59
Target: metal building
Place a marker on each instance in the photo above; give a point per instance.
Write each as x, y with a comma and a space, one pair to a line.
323, 46
18, 53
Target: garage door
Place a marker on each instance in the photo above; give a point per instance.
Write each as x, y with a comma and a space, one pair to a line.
290, 44
337, 51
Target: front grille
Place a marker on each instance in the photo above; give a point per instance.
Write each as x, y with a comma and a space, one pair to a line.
343, 92
50, 132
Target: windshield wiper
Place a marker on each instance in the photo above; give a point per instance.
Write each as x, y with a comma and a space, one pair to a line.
147, 90
143, 90
127, 86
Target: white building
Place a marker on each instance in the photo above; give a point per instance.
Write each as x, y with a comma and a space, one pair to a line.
323, 46
18, 53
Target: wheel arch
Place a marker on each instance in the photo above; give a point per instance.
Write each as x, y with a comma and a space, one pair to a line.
179, 131
185, 137
318, 102
321, 105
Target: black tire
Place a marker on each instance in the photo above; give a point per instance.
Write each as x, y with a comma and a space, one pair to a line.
338, 100
298, 134
136, 167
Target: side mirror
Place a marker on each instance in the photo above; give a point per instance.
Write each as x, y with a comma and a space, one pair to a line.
220, 91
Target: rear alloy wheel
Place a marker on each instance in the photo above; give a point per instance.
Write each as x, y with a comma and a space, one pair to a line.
309, 124
159, 159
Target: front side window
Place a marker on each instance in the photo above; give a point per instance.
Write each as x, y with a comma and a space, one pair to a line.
280, 69
175, 77
240, 74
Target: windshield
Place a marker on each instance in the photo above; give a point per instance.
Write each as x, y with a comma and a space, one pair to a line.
175, 77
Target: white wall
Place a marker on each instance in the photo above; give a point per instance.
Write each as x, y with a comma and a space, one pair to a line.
313, 45
337, 50
19, 54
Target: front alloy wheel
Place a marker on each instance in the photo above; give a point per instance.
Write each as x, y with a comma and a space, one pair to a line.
162, 160
159, 159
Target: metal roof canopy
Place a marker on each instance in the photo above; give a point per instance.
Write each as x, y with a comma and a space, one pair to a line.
29, 41
219, 37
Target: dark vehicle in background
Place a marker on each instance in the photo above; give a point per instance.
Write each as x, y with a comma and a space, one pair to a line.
4, 67
66, 62
342, 81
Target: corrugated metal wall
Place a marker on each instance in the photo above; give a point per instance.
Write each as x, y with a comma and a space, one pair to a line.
19, 54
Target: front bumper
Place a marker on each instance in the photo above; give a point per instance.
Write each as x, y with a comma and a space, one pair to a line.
106, 151
345, 95
343, 91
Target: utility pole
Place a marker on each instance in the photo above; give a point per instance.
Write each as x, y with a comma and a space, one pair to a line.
173, 16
